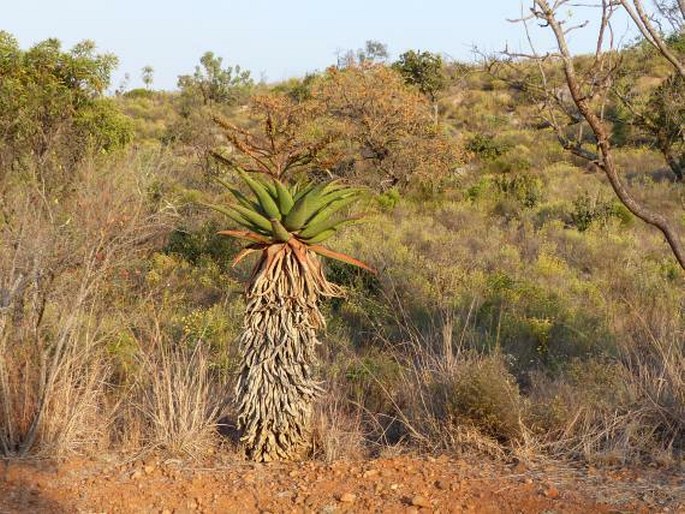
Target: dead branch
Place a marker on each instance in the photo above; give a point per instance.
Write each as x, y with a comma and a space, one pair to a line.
601, 132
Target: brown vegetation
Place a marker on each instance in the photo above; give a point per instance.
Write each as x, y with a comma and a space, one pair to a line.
520, 311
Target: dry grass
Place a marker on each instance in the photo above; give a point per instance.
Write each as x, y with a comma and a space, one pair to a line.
177, 398
60, 250
495, 327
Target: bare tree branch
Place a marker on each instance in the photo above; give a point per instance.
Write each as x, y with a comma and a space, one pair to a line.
646, 27
606, 162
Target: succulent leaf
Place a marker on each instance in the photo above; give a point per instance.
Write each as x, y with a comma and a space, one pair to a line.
302, 189
280, 233
227, 211
265, 199
320, 237
308, 204
330, 209
243, 216
268, 184
285, 198
245, 234
327, 252
311, 231
301, 215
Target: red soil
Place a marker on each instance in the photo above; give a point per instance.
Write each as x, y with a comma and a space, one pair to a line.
398, 484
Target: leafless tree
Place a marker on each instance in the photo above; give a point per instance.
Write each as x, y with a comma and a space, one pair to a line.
581, 102
672, 11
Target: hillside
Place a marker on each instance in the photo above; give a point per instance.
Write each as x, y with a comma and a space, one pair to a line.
521, 342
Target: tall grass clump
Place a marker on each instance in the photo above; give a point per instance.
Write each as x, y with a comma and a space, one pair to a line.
61, 250
177, 396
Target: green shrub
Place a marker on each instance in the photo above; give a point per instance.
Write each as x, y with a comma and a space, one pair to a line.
588, 211
53, 109
389, 199
524, 188
483, 393
486, 147
516, 160
195, 245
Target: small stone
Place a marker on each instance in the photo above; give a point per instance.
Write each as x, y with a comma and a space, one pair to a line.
420, 501
394, 487
412, 510
442, 485
552, 492
370, 473
166, 511
348, 498
136, 475
149, 469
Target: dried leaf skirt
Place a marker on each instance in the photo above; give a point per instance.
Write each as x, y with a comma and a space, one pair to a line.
276, 389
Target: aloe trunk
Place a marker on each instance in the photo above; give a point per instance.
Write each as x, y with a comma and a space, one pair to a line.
277, 386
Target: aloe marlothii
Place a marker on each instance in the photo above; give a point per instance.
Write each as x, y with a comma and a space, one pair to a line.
276, 387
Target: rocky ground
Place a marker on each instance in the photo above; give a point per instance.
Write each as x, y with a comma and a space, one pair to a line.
397, 484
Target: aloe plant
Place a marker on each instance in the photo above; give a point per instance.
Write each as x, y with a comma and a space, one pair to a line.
276, 388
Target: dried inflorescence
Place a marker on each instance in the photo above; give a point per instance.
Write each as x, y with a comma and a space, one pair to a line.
277, 386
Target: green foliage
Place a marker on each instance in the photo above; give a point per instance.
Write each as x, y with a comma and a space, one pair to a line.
278, 213
299, 90
196, 246
139, 93
524, 188
588, 210
214, 84
52, 106
664, 117
486, 147
676, 41
478, 189
515, 160
103, 126
424, 70
389, 199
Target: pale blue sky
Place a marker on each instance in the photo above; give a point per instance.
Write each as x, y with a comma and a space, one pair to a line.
273, 39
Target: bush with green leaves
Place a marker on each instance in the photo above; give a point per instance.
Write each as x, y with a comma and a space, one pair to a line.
481, 392
588, 210
214, 83
486, 147
425, 70
52, 105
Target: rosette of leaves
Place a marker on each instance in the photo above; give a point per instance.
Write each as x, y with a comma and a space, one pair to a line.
277, 387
